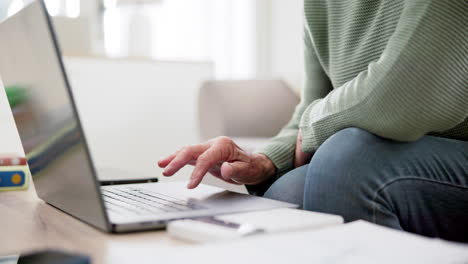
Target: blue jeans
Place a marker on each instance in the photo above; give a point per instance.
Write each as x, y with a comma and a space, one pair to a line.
420, 187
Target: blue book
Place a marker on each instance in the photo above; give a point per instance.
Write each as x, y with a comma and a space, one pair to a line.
13, 178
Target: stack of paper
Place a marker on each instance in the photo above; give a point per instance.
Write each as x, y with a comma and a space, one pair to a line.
358, 243
240, 225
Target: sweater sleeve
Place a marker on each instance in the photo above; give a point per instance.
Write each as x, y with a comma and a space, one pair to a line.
417, 86
281, 148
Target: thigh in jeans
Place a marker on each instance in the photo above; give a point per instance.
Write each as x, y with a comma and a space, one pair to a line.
290, 187
420, 186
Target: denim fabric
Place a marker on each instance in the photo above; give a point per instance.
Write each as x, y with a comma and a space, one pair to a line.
290, 187
420, 187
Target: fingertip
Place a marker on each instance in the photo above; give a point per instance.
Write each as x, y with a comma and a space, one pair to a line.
163, 163
160, 164
167, 172
192, 184
195, 180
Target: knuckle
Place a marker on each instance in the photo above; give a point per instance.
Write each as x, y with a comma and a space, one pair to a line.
186, 154
210, 158
221, 152
226, 148
224, 140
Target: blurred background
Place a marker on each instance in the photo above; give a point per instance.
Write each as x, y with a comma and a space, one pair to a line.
151, 76
244, 39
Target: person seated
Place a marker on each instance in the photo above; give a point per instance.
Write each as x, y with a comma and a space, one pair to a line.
381, 132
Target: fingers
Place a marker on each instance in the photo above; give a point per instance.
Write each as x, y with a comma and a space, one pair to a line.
206, 157
210, 158
185, 156
162, 163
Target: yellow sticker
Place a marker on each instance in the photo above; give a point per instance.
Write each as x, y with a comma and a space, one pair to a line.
16, 178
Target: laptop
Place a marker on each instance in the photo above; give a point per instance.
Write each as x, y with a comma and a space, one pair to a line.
56, 148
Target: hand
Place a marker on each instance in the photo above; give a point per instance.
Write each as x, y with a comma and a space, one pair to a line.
222, 158
300, 158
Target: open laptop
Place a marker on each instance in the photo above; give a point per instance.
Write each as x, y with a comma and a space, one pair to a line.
58, 156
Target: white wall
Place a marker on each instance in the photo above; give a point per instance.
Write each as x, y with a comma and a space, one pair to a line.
245, 39
9, 138
137, 111
286, 39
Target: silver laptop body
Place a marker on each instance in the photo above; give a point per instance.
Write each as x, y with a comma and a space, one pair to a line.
58, 156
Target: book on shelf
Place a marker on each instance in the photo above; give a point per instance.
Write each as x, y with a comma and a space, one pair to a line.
14, 173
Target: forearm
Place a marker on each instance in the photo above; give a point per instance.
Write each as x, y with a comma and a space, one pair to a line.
281, 149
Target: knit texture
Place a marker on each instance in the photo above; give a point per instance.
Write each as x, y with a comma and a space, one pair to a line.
398, 69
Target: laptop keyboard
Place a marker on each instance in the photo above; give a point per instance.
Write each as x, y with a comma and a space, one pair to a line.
138, 201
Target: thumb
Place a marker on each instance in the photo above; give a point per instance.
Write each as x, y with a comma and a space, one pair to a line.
234, 171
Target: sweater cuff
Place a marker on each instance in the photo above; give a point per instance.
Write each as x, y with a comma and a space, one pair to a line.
281, 154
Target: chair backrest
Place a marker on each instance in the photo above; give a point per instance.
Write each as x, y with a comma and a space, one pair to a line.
253, 108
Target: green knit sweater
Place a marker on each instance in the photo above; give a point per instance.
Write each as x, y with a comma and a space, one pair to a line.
396, 68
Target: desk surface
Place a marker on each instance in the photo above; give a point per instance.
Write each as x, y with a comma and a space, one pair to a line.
27, 223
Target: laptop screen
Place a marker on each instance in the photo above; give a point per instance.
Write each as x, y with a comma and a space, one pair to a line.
48, 125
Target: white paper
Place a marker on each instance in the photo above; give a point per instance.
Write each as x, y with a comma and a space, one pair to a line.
358, 243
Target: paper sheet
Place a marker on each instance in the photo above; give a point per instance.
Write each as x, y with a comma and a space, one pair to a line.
358, 243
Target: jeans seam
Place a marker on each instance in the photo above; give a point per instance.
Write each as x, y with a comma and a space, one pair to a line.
386, 184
